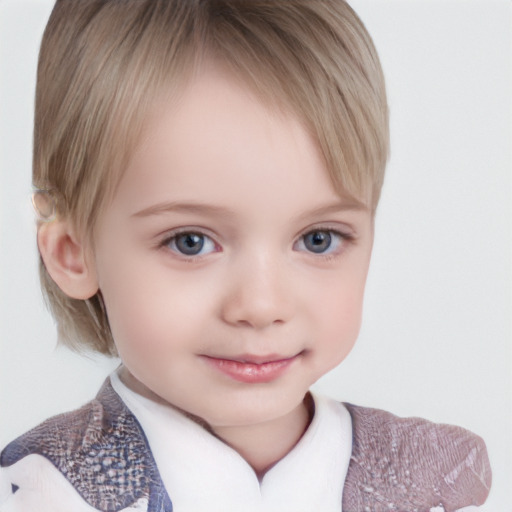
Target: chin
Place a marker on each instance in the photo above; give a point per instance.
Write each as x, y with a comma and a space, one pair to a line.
256, 408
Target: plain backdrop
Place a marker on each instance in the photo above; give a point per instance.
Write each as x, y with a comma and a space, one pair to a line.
436, 336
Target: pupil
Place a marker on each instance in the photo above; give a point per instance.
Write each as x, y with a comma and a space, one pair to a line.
190, 244
317, 241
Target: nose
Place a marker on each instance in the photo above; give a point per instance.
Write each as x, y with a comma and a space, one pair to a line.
258, 294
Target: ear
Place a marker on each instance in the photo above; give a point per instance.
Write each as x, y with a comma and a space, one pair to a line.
67, 259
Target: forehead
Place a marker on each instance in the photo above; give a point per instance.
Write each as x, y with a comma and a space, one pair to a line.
215, 125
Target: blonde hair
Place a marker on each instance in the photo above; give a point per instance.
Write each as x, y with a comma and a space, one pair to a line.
102, 62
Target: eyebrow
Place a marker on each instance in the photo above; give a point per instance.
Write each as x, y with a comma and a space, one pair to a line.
184, 207
220, 211
338, 207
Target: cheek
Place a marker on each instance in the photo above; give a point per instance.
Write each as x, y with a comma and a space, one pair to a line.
133, 327
340, 313
153, 313
136, 310
342, 318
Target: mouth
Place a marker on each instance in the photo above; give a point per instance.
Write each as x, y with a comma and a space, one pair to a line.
252, 369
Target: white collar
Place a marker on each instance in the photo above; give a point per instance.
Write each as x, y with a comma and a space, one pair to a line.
200, 472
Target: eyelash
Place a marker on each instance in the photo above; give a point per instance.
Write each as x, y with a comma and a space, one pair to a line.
342, 239
331, 253
171, 239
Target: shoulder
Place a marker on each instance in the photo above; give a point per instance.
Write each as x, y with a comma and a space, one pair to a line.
57, 438
414, 463
100, 449
72, 434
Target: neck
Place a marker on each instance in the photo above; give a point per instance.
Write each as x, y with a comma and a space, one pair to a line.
264, 444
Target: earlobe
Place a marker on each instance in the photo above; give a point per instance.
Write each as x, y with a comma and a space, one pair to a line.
67, 260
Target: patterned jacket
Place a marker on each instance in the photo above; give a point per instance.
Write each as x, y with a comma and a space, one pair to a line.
397, 464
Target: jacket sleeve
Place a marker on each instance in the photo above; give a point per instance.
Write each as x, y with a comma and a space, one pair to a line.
413, 464
96, 458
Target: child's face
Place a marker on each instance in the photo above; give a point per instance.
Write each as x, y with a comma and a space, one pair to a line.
232, 272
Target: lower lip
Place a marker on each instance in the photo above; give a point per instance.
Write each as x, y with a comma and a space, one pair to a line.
250, 372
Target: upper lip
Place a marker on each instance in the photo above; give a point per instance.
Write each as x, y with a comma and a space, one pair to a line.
254, 358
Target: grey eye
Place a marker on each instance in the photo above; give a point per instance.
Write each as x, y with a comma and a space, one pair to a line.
190, 244
321, 242
318, 241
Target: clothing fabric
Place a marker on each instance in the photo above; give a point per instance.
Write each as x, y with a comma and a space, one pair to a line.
100, 457
310, 477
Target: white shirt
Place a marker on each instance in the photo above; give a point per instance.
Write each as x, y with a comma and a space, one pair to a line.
200, 472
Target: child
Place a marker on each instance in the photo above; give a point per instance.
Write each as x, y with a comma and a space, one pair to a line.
208, 174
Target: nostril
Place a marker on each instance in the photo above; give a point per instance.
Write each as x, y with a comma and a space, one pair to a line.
259, 297
255, 315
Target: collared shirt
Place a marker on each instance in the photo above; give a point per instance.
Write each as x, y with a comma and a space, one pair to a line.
200, 472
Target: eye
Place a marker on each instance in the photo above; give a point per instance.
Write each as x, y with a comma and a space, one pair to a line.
191, 244
320, 241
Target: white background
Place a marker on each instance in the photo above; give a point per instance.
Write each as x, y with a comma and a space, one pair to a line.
436, 338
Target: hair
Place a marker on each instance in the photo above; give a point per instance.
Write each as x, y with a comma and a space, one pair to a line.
103, 62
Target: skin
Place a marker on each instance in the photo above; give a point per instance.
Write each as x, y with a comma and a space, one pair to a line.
250, 182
